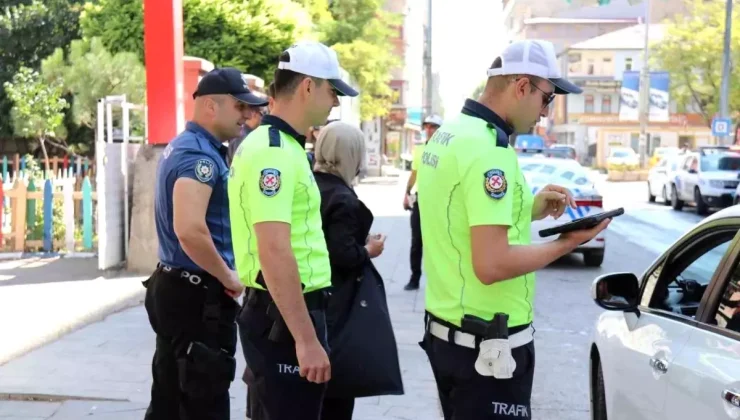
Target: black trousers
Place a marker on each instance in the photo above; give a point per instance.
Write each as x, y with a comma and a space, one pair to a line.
416, 244
193, 359
338, 408
276, 389
466, 395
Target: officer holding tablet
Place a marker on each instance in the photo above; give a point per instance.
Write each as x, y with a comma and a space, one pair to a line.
480, 268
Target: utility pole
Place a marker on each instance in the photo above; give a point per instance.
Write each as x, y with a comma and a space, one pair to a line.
645, 90
428, 85
724, 106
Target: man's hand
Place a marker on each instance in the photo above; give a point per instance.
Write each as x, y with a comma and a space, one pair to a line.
313, 361
551, 201
406, 205
232, 286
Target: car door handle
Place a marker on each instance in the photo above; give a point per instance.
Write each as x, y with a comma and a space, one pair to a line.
731, 397
659, 365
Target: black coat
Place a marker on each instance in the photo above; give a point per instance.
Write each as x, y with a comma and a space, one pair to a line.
346, 223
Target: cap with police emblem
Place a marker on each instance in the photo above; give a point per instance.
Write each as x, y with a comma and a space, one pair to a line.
433, 119
228, 81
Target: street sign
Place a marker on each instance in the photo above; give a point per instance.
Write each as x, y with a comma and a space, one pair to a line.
721, 127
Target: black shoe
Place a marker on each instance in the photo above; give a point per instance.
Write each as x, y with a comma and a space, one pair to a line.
411, 286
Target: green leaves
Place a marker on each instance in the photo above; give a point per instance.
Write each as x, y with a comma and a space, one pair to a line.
38, 107
691, 51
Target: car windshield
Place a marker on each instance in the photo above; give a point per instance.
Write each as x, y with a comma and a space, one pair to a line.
554, 171
720, 162
621, 153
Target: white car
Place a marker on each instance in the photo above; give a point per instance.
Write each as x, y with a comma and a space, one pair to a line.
706, 179
659, 176
668, 345
622, 156
540, 171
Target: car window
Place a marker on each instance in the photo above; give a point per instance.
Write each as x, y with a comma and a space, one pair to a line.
555, 171
727, 315
679, 283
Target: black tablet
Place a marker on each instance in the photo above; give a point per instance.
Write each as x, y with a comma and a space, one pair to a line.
582, 223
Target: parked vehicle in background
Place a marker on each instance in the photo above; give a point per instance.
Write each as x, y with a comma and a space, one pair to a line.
525, 142
622, 158
708, 178
540, 170
661, 152
667, 346
569, 149
660, 176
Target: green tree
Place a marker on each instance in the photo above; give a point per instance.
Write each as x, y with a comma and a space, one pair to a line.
29, 31
361, 33
691, 51
248, 35
90, 72
38, 107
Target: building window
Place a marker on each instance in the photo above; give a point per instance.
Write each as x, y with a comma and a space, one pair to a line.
590, 67
588, 107
606, 104
398, 97
628, 64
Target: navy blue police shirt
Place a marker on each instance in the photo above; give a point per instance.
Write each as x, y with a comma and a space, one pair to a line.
198, 155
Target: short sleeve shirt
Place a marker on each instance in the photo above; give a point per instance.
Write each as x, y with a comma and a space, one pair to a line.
271, 181
416, 160
195, 154
470, 176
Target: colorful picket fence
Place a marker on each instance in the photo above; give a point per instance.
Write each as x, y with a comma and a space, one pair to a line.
76, 166
22, 199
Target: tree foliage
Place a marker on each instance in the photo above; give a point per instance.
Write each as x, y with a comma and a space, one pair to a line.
691, 51
248, 35
90, 72
38, 106
30, 30
361, 33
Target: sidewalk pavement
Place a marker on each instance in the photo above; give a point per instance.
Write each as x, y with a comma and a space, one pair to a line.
104, 369
44, 297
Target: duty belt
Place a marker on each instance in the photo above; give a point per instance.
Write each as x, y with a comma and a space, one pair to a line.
518, 336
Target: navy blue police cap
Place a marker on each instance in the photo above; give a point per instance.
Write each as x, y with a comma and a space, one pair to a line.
228, 81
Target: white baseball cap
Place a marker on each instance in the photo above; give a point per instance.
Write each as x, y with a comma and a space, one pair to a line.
535, 58
433, 119
316, 60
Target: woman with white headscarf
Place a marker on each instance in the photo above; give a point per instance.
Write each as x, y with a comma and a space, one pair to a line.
339, 158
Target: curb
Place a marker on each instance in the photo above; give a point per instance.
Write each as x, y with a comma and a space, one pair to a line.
127, 300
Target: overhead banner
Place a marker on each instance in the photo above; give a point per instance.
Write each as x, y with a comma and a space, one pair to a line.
629, 103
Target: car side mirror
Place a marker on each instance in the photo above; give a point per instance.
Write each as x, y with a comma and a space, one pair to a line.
616, 291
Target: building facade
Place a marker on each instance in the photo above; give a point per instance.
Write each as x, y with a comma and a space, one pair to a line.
592, 121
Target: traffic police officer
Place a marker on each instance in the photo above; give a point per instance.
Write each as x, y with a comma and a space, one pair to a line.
281, 254
190, 296
430, 125
477, 216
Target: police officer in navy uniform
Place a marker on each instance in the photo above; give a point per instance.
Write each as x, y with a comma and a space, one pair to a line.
190, 297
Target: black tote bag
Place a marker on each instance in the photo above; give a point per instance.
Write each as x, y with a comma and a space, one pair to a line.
363, 352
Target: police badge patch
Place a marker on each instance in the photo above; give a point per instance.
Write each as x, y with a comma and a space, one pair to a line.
495, 183
204, 170
270, 182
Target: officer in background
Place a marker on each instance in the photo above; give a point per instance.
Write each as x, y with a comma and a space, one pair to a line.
281, 253
190, 296
478, 210
430, 126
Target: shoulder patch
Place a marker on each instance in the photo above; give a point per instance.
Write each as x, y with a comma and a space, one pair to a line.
495, 183
274, 135
204, 169
270, 182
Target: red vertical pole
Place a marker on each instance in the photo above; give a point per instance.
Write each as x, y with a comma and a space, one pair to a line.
163, 51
